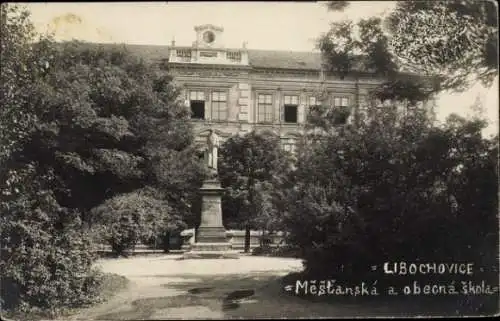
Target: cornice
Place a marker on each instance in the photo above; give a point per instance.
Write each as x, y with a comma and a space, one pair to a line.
281, 87
275, 74
216, 84
207, 48
284, 70
183, 65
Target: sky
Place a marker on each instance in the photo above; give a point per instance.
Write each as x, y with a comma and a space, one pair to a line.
262, 25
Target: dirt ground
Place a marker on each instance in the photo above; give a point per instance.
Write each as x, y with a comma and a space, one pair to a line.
164, 287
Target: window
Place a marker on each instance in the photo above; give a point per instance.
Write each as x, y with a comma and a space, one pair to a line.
288, 144
265, 108
364, 104
341, 102
290, 108
197, 103
219, 105
313, 101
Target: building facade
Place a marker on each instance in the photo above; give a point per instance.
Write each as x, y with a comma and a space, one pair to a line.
237, 90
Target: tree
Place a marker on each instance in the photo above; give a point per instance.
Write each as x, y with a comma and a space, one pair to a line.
250, 166
107, 120
393, 187
104, 113
386, 190
46, 258
17, 35
337, 5
455, 40
363, 46
350, 48
83, 124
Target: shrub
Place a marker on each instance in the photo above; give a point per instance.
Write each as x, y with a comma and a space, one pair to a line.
40, 281
46, 254
128, 218
286, 251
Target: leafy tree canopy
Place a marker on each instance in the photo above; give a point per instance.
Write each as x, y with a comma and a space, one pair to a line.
456, 40
252, 167
80, 124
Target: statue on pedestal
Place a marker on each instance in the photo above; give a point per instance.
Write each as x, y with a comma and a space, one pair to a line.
213, 144
211, 239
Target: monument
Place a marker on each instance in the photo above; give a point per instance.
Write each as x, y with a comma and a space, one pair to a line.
211, 241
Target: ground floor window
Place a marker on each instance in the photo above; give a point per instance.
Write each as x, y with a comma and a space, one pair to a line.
288, 144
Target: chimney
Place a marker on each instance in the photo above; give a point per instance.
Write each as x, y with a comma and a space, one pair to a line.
173, 42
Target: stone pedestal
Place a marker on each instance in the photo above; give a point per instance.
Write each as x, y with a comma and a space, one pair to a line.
211, 241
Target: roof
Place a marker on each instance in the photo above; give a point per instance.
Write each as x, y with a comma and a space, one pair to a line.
276, 59
284, 59
257, 58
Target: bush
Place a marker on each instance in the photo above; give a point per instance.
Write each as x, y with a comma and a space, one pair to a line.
128, 218
52, 275
286, 251
46, 255
112, 283
261, 250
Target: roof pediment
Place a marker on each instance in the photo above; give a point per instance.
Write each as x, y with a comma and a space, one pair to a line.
208, 26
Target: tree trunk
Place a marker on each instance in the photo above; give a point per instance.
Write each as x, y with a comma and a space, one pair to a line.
251, 213
247, 238
166, 242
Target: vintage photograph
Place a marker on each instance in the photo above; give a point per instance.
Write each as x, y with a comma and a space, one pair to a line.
249, 160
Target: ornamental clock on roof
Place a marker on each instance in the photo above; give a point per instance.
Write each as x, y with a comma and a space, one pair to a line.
209, 36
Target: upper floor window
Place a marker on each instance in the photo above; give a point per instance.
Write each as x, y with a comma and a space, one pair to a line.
344, 117
219, 105
291, 108
197, 103
340, 101
265, 108
313, 101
